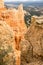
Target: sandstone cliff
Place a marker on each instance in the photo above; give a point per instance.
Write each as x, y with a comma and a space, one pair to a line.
15, 19
19, 45
6, 45
34, 36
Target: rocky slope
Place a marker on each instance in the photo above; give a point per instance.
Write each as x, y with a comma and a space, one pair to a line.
19, 45
32, 46
6, 45
15, 20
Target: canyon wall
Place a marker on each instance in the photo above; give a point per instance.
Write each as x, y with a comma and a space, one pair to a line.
34, 37
20, 45
14, 18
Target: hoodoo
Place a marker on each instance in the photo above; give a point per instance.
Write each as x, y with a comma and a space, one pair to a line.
1, 3
15, 19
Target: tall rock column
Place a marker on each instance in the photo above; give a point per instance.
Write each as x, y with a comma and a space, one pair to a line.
1, 3
22, 24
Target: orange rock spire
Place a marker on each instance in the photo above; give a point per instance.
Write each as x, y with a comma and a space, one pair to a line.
15, 19
1, 3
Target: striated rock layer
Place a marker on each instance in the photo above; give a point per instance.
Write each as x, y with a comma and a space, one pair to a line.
35, 35
32, 46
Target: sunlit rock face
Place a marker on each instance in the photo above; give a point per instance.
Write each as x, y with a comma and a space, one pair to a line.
2, 7
32, 46
36, 19
1, 3
15, 19
35, 35
17, 44
7, 56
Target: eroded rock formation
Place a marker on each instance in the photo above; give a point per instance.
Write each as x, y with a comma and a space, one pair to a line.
15, 19
6, 45
1, 3
19, 45
26, 52
34, 36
